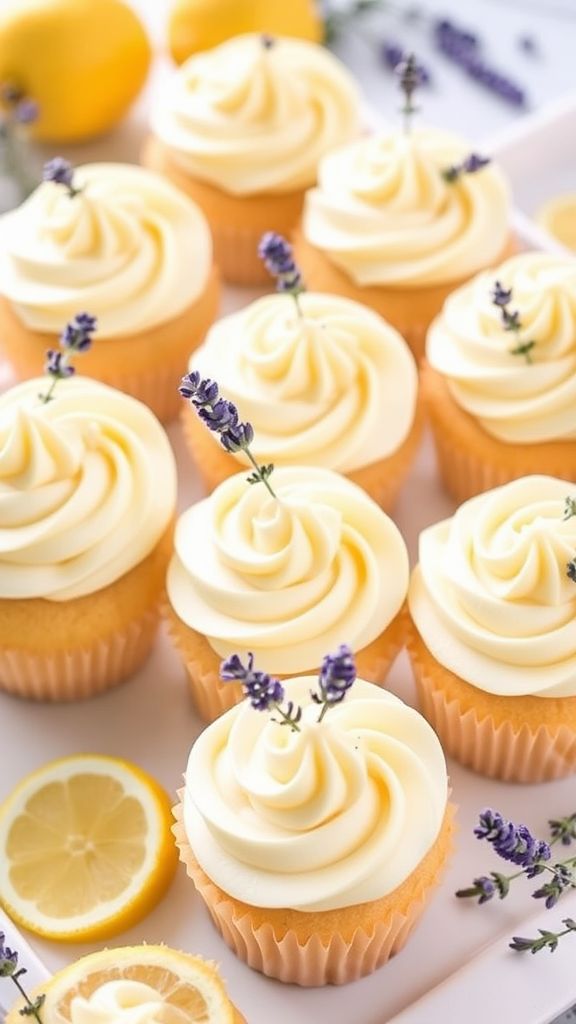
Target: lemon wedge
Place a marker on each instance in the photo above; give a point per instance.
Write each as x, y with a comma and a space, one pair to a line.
85, 848
182, 989
558, 217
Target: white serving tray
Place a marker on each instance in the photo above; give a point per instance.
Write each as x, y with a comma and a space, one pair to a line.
150, 720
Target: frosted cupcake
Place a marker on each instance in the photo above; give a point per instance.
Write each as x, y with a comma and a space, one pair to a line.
87, 500
324, 382
241, 129
125, 244
500, 384
493, 641
398, 220
316, 833
281, 563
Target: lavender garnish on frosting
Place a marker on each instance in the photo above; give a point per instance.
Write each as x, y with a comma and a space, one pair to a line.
502, 297
470, 165
61, 172
411, 77
75, 338
9, 969
276, 254
222, 418
266, 693
516, 844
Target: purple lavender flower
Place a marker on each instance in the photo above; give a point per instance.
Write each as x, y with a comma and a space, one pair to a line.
470, 165
60, 172
337, 675
238, 437
462, 48
77, 335
562, 878
219, 417
410, 77
56, 365
392, 54
26, 111
513, 843
501, 296
278, 258
8, 958
571, 570
263, 691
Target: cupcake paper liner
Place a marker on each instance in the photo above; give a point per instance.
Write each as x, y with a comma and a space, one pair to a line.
212, 696
381, 480
78, 674
470, 461
359, 943
495, 741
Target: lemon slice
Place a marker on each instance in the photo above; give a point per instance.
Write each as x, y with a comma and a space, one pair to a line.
85, 848
188, 988
558, 216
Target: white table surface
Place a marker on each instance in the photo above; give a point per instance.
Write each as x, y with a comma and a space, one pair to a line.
150, 720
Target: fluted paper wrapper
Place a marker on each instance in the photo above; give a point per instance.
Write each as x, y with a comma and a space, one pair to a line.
513, 751
212, 696
157, 388
311, 960
78, 674
382, 480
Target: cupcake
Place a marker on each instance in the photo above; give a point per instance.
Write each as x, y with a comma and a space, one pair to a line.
400, 219
125, 244
500, 380
324, 382
282, 564
132, 985
493, 634
316, 844
87, 501
241, 129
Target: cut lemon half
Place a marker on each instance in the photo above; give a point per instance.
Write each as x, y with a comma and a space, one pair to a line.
85, 848
177, 988
558, 216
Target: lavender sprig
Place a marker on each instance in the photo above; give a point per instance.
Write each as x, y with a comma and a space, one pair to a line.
411, 77
277, 256
470, 165
264, 692
222, 418
9, 969
463, 48
547, 939
75, 338
502, 297
513, 843
61, 172
337, 675
571, 570
563, 829
392, 54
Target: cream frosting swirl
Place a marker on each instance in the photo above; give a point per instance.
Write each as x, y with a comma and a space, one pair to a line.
515, 401
335, 387
253, 119
87, 488
130, 248
337, 814
384, 214
287, 577
124, 1001
491, 597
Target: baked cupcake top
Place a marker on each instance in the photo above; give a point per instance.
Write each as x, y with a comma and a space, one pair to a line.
493, 596
333, 385
287, 576
128, 245
337, 813
87, 488
257, 113
385, 214
518, 399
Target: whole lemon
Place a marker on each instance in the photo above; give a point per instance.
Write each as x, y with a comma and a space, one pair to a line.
201, 24
83, 61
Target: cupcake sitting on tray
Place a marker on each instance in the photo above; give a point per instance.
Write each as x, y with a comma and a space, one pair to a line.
323, 380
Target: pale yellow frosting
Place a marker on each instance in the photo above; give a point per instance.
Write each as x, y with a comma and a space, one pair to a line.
250, 119
288, 577
491, 597
515, 401
130, 248
337, 814
334, 387
125, 1002
383, 213
87, 488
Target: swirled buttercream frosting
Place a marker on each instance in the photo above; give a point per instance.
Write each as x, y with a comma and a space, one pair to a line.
337, 814
87, 488
124, 1001
250, 118
130, 247
491, 597
335, 386
288, 576
514, 400
384, 214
